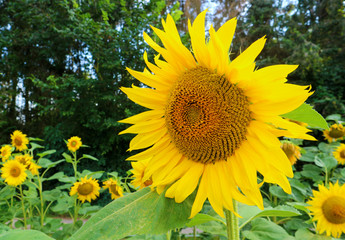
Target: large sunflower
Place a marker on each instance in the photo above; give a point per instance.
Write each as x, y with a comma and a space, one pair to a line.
336, 132
13, 172
339, 154
328, 208
86, 189
115, 189
19, 140
212, 124
5, 152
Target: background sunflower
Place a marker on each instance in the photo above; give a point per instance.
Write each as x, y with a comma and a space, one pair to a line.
328, 208
13, 172
86, 189
19, 140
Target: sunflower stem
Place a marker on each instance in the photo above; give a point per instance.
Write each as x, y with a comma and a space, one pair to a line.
232, 223
23, 208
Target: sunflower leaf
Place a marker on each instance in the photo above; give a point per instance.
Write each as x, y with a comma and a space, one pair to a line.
263, 229
202, 218
142, 212
305, 113
24, 234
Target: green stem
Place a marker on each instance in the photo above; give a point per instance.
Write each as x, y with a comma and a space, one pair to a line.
326, 178
23, 208
232, 223
42, 202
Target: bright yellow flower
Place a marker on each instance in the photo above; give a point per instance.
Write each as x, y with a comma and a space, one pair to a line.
24, 159
213, 123
138, 174
33, 168
339, 154
19, 140
336, 132
13, 172
87, 189
114, 188
74, 144
5, 152
328, 208
292, 151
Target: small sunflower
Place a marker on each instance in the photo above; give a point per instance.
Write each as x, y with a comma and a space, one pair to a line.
5, 152
339, 154
114, 188
19, 140
33, 167
138, 174
292, 151
328, 208
24, 159
213, 123
336, 132
13, 172
74, 144
87, 189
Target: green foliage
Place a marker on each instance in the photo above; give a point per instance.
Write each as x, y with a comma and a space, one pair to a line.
124, 216
24, 234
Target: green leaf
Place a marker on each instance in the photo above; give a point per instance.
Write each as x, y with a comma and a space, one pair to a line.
280, 211
45, 153
305, 113
263, 229
67, 157
46, 163
326, 162
142, 212
89, 157
251, 212
35, 145
201, 218
334, 117
24, 234
304, 234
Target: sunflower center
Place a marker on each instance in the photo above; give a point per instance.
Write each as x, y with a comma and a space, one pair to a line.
342, 154
334, 209
113, 189
206, 116
336, 133
18, 141
15, 171
73, 143
85, 189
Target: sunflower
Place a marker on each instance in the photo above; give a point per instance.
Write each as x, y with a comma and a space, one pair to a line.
292, 151
33, 167
74, 144
5, 152
339, 154
212, 124
19, 140
328, 208
138, 172
13, 172
114, 188
24, 159
336, 132
87, 189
